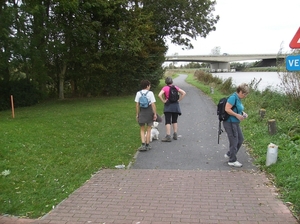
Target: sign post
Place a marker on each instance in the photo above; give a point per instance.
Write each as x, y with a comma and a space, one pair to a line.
295, 43
293, 61
12, 106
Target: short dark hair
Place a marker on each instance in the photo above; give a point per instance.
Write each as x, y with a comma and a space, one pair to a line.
169, 80
144, 84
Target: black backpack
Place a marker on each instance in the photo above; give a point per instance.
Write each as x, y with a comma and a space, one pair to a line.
222, 114
173, 94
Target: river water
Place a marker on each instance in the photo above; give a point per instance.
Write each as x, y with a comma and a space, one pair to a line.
268, 79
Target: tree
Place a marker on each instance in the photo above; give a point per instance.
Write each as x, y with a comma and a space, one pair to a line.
216, 51
34, 31
6, 39
123, 49
182, 20
95, 47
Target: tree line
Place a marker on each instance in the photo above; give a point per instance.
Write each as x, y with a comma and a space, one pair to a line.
60, 48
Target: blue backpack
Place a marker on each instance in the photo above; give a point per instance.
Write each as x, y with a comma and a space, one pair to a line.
143, 101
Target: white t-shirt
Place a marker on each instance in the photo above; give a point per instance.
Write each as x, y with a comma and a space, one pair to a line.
150, 96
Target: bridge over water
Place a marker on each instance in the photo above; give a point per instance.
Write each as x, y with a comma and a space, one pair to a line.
222, 62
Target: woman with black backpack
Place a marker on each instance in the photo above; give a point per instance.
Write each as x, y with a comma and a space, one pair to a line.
235, 108
170, 95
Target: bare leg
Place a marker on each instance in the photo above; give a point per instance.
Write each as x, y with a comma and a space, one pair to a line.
142, 133
175, 126
148, 134
168, 129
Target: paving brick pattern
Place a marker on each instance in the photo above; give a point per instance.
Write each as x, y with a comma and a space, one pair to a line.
169, 197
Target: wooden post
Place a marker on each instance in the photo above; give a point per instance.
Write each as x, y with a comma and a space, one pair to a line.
12, 106
262, 113
272, 126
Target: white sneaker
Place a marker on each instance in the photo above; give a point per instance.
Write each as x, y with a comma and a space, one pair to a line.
226, 156
235, 164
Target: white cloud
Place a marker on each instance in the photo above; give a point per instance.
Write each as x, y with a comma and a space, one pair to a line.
249, 27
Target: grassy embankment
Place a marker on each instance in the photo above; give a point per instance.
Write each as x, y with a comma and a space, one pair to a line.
50, 150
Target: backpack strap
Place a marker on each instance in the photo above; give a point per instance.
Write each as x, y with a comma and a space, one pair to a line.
144, 93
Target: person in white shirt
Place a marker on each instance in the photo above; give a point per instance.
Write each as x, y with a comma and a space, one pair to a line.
145, 116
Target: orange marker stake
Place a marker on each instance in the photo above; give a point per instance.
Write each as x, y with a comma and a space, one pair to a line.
12, 106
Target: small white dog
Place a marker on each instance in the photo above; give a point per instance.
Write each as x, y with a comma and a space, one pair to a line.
154, 132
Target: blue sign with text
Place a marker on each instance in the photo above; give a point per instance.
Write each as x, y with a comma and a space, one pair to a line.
293, 63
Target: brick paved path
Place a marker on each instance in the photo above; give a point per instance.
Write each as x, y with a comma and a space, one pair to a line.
141, 196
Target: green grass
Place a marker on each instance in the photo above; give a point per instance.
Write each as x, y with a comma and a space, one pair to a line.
53, 148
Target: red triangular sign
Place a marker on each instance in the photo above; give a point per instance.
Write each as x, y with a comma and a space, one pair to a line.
295, 43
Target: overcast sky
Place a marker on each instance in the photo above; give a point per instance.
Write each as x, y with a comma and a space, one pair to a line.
249, 27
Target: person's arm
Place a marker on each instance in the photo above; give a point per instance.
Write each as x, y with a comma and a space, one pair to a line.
154, 111
182, 94
228, 109
137, 109
160, 95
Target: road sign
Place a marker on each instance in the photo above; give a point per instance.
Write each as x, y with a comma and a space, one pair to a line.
293, 63
295, 43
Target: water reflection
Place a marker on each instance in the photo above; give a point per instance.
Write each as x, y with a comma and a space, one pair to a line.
268, 79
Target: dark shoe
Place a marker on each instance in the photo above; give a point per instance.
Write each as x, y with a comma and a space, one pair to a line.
142, 148
167, 138
175, 136
148, 147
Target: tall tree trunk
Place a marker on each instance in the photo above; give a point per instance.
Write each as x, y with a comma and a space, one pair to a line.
62, 80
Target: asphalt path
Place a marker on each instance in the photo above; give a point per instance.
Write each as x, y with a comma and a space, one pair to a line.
197, 147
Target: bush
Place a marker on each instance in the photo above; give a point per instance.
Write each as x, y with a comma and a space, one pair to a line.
207, 78
24, 93
226, 87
